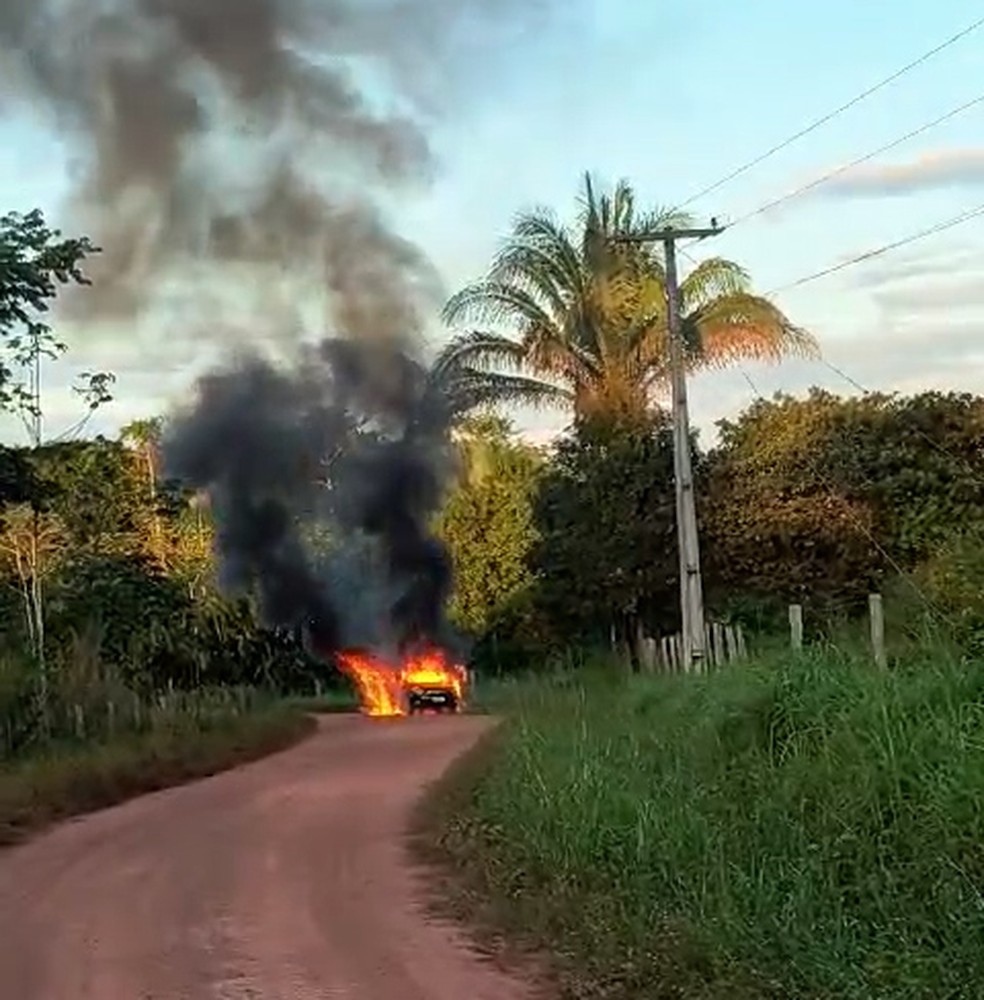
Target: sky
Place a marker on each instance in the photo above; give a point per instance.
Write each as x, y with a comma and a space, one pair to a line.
673, 97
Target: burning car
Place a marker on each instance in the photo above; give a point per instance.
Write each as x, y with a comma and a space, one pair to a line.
431, 683
425, 679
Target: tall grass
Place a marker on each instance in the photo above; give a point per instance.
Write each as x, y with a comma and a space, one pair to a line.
799, 828
85, 700
88, 740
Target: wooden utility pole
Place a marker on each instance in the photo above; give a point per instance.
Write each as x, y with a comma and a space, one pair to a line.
691, 589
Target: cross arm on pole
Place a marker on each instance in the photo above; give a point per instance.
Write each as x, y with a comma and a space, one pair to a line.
662, 235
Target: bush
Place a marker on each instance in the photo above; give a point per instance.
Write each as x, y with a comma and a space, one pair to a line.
953, 581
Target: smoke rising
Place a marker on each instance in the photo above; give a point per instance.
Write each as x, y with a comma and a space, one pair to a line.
243, 134
322, 478
245, 143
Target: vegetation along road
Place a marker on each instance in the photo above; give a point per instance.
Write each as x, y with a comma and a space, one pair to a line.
283, 879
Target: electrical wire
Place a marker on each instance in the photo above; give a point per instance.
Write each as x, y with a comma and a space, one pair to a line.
814, 125
939, 227
812, 185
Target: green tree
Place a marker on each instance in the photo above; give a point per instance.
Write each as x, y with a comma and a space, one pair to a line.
144, 438
585, 313
607, 556
487, 522
35, 261
818, 499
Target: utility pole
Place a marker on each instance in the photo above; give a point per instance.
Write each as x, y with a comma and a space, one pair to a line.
691, 589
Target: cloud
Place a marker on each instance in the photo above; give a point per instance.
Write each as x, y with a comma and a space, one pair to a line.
892, 269
923, 330
962, 291
942, 169
913, 357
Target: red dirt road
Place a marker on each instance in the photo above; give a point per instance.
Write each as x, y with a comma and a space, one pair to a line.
286, 879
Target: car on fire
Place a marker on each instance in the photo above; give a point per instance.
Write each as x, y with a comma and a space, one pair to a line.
422, 680
440, 698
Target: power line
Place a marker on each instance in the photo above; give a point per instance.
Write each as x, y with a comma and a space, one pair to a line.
856, 163
813, 126
878, 251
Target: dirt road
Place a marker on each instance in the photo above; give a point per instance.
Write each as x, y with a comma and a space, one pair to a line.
283, 880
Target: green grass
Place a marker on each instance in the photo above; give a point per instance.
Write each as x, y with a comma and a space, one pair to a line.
69, 778
798, 829
327, 703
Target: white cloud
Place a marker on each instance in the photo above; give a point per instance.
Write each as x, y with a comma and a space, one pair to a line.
940, 169
899, 268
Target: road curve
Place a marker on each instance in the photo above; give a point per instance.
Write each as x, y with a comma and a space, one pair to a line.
286, 879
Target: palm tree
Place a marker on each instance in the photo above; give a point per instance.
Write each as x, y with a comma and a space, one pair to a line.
586, 313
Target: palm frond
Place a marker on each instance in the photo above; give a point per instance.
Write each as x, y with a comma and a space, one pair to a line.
474, 389
744, 326
558, 357
661, 217
541, 230
710, 280
495, 302
479, 351
539, 272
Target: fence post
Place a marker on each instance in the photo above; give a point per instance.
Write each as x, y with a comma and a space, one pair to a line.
796, 625
648, 654
877, 613
720, 655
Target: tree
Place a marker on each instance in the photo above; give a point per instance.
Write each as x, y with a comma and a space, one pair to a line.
586, 314
97, 492
35, 261
144, 436
605, 513
32, 544
818, 499
487, 522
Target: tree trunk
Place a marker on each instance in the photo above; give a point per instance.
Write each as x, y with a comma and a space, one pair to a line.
36, 612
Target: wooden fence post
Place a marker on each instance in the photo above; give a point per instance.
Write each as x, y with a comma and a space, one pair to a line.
877, 613
719, 652
649, 654
796, 625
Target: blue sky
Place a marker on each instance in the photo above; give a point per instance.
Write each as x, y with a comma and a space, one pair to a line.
673, 96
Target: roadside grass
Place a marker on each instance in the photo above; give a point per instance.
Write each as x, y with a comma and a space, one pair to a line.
328, 702
71, 777
802, 827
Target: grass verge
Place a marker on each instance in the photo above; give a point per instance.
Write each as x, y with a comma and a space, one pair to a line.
809, 829
70, 779
327, 703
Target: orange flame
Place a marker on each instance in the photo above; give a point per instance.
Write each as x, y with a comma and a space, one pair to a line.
383, 687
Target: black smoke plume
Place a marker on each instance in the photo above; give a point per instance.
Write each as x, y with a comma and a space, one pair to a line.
244, 143
322, 479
